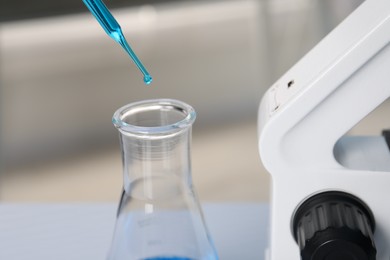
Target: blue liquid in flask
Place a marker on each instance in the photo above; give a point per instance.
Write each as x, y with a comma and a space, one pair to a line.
168, 258
176, 258
113, 29
137, 234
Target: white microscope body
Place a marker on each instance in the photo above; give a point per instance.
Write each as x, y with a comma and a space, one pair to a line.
303, 119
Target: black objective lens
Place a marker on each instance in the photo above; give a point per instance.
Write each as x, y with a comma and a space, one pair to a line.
334, 226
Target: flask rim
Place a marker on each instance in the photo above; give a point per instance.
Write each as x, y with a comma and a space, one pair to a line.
186, 121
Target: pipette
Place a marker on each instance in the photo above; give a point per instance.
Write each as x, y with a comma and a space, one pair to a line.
113, 29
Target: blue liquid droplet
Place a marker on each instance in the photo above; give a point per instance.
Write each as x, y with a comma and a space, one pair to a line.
148, 79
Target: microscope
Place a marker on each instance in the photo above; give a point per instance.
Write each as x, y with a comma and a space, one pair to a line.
330, 191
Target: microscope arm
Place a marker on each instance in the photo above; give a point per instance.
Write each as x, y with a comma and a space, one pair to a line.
345, 77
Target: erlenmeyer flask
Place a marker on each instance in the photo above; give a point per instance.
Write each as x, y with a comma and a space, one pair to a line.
159, 216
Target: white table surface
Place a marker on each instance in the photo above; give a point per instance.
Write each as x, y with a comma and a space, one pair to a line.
84, 231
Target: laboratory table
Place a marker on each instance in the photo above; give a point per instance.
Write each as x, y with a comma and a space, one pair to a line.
83, 231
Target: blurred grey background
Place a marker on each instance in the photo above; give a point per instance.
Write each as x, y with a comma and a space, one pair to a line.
62, 78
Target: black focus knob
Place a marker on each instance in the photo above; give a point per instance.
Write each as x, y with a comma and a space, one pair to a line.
334, 226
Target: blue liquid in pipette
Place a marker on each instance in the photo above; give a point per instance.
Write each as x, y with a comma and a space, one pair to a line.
113, 29
147, 78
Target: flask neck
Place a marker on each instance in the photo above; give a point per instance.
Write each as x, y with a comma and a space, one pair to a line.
155, 138
166, 157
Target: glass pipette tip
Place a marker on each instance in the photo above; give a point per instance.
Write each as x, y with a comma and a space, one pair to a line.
113, 29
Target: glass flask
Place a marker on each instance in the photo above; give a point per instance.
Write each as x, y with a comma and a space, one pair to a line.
159, 217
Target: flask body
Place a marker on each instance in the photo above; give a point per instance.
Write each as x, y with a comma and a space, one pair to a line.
159, 216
